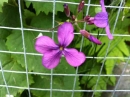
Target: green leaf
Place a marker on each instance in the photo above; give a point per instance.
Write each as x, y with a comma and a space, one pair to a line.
12, 79
42, 21
122, 46
47, 7
126, 11
34, 62
10, 16
59, 82
90, 81
28, 16
109, 65
1, 3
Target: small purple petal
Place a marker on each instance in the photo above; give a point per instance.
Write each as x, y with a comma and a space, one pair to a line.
108, 32
102, 5
51, 60
73, 57
66, 10
94, 40
81, 5
101, 19
45, 44
65, 34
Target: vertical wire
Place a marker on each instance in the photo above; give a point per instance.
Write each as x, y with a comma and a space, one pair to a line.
82, 40
25, 59
107, 49
4, 78
53, 25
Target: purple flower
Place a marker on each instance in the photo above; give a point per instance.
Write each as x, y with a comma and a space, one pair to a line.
100, 20
53, 52
90, 37
66, 10
81, 5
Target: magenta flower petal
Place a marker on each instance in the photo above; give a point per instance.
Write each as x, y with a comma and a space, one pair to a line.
102, 5
65, 34
94, 40
73, 57
45, 44
108, 32
51, 60
101, 19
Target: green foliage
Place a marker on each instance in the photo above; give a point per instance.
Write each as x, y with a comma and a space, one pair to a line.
127, 4
12, 79
9, 17
59, 82
90, 81
43, 6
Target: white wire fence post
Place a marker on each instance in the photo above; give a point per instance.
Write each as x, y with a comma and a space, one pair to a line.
53, 25
82, 40
24, 48
4, 78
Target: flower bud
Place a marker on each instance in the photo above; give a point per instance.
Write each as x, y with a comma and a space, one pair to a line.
73, 17
81, 5
90, 37
89, 20
66, 10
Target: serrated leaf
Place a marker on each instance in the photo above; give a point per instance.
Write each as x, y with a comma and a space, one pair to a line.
59, 82
12, 79
34, 62
47, 7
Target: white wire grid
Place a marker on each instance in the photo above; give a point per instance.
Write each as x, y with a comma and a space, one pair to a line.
120, 7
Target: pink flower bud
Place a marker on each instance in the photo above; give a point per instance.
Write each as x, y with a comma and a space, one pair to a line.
66, 10
73, 17
81, 5
90, 37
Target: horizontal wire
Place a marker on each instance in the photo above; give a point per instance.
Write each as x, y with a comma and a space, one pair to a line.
44, 31
36, 54
76, 3
56, 74
62, 90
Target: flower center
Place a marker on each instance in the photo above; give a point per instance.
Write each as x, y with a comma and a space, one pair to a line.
61, 48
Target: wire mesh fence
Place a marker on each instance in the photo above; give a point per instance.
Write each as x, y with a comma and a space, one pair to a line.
105, 73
